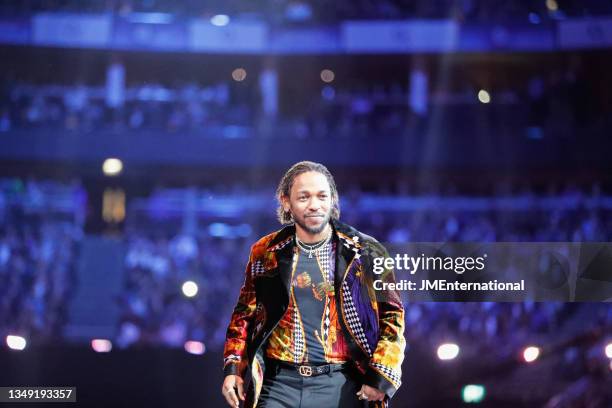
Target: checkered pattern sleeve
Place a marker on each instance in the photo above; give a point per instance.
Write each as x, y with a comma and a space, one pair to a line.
385, 367
234, 354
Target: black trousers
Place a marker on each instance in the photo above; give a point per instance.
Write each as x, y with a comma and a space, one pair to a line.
286, 388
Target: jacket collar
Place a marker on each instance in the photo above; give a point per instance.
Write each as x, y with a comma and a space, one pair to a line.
282, 248
348, 248
348, 236
282, 238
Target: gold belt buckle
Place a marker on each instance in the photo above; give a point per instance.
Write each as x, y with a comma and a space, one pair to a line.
305, 371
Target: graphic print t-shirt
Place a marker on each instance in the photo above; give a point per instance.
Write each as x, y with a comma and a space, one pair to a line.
309, 331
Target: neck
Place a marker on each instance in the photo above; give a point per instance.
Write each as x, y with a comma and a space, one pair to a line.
308, 238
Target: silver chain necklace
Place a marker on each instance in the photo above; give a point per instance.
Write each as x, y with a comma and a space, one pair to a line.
311, 249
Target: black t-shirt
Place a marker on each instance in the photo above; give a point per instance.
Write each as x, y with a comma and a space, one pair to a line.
309, 290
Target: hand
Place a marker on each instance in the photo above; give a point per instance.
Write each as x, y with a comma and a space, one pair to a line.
370, 393
230, 385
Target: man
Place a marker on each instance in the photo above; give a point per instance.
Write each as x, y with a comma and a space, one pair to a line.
308, 322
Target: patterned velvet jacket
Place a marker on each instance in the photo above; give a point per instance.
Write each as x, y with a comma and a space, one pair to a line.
372, 321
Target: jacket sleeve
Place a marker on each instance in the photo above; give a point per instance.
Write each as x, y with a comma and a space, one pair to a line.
235, 353
384, 370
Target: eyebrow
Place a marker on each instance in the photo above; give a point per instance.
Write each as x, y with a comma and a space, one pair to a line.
319, 192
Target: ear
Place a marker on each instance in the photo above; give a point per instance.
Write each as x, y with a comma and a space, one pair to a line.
285, 203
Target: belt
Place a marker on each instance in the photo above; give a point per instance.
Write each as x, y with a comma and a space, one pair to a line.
307, 370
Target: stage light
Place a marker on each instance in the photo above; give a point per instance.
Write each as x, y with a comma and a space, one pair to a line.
610, 365
16, 342
552, 5
608, 350
531, 354
112, 166
484, 96
195, 347
239, 74
473, 393
327, 75
101, 345
190, 289
220, 20
448, 351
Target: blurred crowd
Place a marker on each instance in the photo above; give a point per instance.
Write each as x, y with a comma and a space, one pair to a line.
496, 225
556, 103
493, 337
156, 312
41, 225
300, 11
147, 107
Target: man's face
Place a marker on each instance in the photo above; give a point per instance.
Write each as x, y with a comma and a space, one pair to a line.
310, 202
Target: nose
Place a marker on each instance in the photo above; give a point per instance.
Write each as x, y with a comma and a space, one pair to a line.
314, 205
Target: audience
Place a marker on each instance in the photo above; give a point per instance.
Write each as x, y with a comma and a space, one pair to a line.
41, 225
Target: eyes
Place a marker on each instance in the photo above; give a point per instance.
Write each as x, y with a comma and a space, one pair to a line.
304, 198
